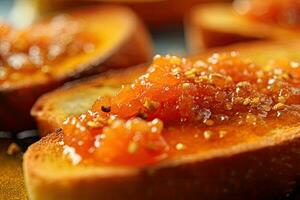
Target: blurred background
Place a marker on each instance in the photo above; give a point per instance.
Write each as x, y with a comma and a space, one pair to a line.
5, 6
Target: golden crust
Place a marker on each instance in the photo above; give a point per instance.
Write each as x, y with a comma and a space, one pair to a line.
217, 25
131, 46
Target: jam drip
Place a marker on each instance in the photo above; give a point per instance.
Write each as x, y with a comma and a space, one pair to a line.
40, 46
285, 13
179, 93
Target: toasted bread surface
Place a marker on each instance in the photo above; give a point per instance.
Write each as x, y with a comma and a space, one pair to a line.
124, 42
52, 109
219, 25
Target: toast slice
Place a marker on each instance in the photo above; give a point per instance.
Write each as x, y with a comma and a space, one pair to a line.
119, 40
53, 108
216, 25
262, 167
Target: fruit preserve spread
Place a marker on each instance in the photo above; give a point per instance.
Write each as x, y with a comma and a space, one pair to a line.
40, 46
285, 13
182, 106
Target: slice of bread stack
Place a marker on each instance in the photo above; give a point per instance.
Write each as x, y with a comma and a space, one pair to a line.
119, 40
262, 167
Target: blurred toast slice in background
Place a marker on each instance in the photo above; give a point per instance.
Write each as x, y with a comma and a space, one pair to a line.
220, 24
68, 46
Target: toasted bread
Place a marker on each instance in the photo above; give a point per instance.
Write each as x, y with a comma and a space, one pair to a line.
156, 13
124, 42
52, 109
216, 25
262, 167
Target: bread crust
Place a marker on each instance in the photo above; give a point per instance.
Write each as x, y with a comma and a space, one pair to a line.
204, 31
135, 47
262, 169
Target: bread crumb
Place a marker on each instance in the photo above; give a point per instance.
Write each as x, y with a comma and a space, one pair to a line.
13, 149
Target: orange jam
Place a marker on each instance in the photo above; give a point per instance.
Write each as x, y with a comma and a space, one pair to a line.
40, 46
182, 106
282, 12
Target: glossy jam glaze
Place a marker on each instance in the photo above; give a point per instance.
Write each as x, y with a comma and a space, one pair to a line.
182, 106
